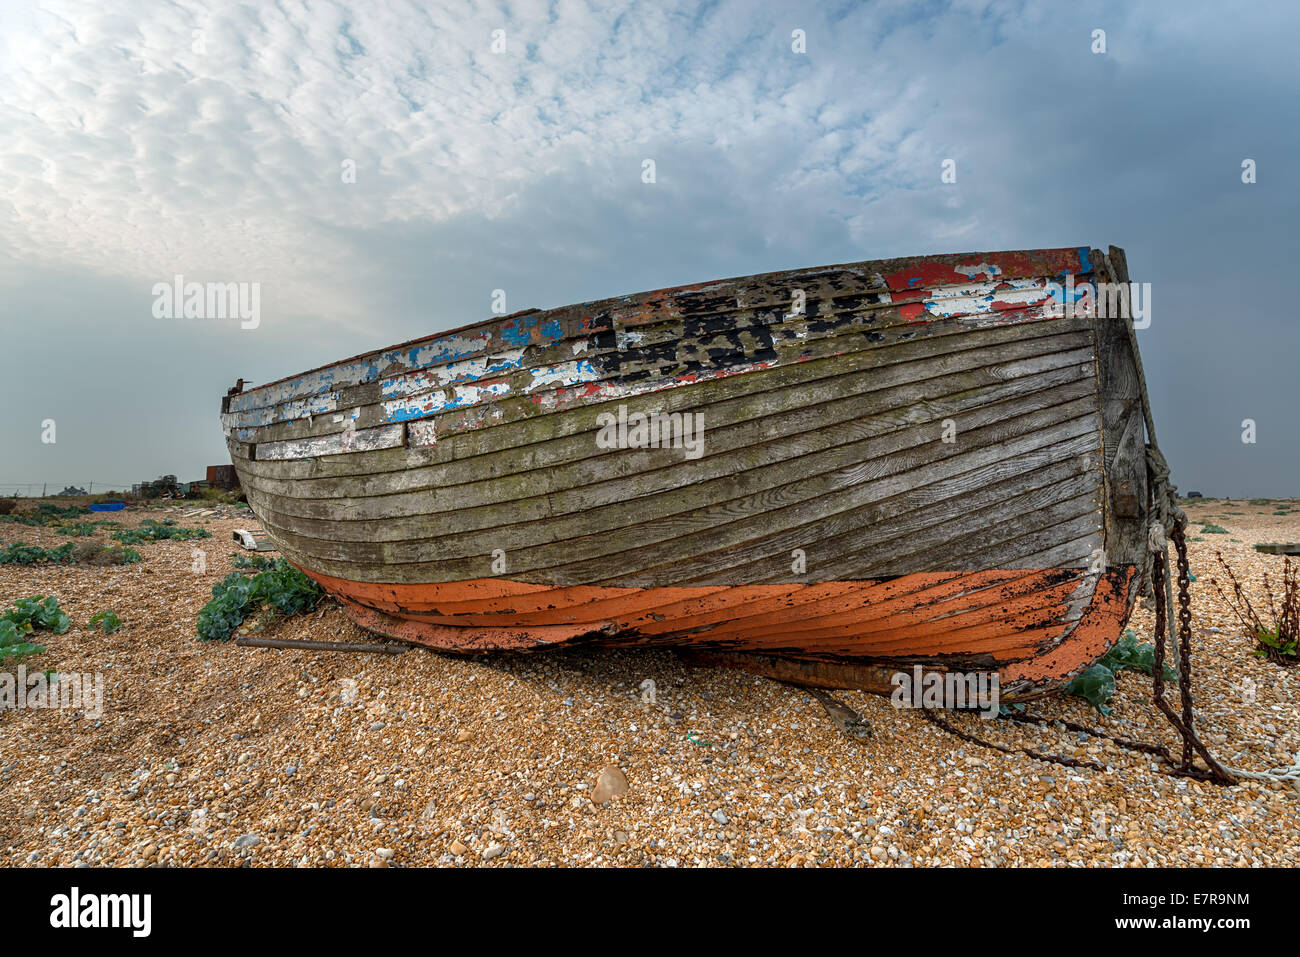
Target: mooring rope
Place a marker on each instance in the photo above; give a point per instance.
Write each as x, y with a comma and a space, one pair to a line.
1168, 522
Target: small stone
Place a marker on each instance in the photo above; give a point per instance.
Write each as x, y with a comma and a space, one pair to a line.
462, 737
384, 853
611, 785
720, 816
458, 848
493, 852
248, 840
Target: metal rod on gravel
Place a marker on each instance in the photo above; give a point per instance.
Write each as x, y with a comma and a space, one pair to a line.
305, 645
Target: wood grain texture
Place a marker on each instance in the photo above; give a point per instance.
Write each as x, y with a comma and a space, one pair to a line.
913, 459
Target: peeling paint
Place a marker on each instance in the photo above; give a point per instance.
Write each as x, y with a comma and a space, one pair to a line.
454, 373
401, 410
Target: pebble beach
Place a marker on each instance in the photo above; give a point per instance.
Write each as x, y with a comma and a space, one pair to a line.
211, 754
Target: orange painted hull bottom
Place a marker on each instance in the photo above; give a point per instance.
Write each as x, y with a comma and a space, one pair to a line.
1025, 624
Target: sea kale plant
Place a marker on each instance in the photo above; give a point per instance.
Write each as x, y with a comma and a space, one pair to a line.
155, 531
26, 616
20, 553
281, 587
1097, 684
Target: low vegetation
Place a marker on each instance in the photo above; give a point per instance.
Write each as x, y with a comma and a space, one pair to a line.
80, 528
280, 589
105, 553
1097, 684
106, 621
29, 615
20, 553
151, 530
46, 515
1277, 632
256, 562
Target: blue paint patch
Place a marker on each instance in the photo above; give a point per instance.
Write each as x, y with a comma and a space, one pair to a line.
1057, 291
520, 333
446, 349
401, 385
407, 414
1085, 259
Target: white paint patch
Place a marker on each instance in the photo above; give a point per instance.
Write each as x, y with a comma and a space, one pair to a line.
987, 269
465, 370
625, 338
337, 443
422, 432
435, 402
971, 299
565, 373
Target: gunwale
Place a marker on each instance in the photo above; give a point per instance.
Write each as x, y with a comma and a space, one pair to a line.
908, 276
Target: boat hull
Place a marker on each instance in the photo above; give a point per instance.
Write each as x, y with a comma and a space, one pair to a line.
905, 463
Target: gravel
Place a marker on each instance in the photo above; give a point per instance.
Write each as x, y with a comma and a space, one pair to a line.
212, 754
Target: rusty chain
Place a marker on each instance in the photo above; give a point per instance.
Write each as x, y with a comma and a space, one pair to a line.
1184, 722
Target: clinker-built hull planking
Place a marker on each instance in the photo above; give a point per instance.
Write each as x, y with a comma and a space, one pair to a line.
922, 465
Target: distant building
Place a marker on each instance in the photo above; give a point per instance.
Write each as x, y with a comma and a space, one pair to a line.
223, 477
72, 490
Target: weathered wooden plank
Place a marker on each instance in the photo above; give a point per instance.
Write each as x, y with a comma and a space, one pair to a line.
363, 440
1123, 435
1279, 548
467, 532
575, 465
520, 477
772, 392
631, 371
524, 422
852, 285
675, 544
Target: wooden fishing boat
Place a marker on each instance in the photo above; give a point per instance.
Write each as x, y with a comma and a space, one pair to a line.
903, 462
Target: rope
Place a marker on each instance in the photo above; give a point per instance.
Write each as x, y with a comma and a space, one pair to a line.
1168, 521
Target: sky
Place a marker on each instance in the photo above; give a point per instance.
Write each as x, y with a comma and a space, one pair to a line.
379, 169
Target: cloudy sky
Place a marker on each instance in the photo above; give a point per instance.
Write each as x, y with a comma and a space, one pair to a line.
140, 140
